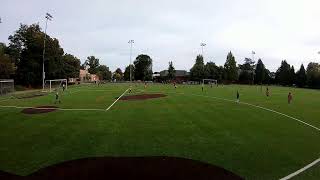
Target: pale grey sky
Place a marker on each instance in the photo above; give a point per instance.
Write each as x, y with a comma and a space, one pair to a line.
172, 30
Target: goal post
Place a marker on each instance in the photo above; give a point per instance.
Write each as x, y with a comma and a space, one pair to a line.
209, 81
6, 86
54, 84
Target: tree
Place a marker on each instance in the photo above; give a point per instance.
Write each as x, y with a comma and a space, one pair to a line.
171, 71
93, 64
283, 73
260, 73
301, 77
246, 71
126, 73
71, 66
313, 75
104, 73
118, 75
26, 48
6, 66
197, 72
292, 76
230, 67
211, 71
143, 68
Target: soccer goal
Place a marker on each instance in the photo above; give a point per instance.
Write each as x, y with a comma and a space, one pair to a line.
210, 81
6, 86
55, 84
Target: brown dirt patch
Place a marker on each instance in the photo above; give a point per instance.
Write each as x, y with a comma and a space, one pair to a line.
142, 97
39, 110
131, 168
29, 95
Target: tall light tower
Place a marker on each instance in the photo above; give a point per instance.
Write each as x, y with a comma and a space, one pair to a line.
48, 17
253, 53
130, 42
202, 46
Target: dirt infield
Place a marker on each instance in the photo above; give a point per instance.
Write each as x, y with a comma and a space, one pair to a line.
142, 97
129, 168
39, 110
29, 95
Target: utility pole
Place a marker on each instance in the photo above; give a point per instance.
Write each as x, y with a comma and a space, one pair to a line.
130, 42
48, 17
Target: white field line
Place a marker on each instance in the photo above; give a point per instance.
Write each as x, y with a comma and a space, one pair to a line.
117, 99
61, 109
301, 170
285, 115
2, 100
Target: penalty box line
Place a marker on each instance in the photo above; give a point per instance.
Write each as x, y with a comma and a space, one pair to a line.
117, 99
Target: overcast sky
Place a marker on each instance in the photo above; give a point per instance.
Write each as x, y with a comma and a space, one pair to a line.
172, 30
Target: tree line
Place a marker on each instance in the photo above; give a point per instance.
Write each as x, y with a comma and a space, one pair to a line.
256, 73
21, 60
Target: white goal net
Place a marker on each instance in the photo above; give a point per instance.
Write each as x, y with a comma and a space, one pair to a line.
55, 84
210, 82
6, 86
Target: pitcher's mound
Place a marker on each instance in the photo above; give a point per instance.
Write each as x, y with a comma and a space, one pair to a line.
142, 97
39, 109
133, 168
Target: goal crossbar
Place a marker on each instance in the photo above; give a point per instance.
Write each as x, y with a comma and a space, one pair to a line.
56, 80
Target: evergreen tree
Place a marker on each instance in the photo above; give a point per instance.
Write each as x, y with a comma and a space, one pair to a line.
197, 72
230, 67
260, 73
283, 73
301, 77
171, 71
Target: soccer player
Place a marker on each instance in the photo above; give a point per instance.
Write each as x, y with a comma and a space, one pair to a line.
63, 87
202, 87
289, 98
267, 92
238, 97
57, 98
145, 85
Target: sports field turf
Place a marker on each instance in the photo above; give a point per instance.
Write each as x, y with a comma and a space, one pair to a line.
252, 142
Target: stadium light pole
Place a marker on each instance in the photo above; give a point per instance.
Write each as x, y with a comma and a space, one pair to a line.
48, 17
253, 53
131, 42
202, 46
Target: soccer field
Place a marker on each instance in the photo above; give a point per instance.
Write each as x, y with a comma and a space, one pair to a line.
259, 138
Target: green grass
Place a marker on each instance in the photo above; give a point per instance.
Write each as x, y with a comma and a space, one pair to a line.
251, 142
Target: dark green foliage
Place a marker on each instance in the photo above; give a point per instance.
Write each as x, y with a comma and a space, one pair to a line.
143, 68
104, 73
230, 68
260, 73
126, 73
301, 77
71, 66
313, 75
197, 72
93, 64
6, 66
171, 71
283, 74
246, 71
118, 75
